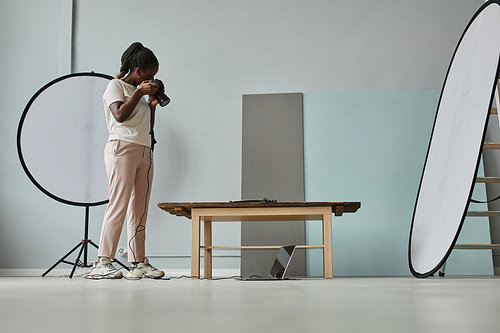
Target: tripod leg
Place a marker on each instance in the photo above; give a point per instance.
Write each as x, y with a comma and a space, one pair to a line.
77, 260
62, 259
119, 263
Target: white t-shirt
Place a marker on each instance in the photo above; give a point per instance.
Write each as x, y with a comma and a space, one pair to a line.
137, 126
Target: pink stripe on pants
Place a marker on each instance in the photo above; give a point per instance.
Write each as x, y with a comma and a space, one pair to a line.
130, 174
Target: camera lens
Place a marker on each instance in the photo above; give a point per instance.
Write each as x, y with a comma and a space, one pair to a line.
160, 95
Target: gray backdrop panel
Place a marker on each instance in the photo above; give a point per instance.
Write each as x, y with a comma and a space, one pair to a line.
272, 167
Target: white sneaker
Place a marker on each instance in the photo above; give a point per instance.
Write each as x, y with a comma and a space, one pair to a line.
104, 269
144, 269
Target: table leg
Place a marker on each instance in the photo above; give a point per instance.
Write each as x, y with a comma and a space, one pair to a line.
327, 249
207, 259
195, 246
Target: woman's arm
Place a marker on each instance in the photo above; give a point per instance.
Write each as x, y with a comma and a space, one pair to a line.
122, 110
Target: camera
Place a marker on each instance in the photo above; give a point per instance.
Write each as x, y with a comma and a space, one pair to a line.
160, 95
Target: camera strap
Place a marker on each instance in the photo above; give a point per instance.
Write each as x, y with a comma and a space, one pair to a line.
153, 140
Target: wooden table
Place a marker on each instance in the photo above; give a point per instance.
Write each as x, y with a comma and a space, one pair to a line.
209, 212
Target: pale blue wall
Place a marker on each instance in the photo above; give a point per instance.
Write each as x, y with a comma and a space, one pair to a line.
371, 147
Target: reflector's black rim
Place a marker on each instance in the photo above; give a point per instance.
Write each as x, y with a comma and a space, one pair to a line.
19, 134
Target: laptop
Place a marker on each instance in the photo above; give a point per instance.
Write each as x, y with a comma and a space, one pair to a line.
280, 265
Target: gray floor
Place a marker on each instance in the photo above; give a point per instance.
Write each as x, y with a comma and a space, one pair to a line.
60, 304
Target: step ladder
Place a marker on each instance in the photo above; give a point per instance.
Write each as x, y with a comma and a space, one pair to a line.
483, 180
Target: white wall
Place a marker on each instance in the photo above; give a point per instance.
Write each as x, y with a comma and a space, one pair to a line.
210, 52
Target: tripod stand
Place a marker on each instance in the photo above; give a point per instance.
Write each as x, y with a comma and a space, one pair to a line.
83, 245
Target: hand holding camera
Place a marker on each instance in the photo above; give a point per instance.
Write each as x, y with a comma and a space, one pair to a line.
160, 95
148, 88
156, 89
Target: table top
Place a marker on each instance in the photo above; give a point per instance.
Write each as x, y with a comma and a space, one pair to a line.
184, 208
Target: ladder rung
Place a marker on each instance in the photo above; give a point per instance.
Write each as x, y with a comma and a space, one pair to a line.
494, 111
488, 180
491, 145
484, 213
477, 246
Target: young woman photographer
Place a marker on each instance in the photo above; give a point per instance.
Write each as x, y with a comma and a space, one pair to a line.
129, 162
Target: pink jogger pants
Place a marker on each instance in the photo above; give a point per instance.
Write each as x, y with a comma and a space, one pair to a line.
130, 173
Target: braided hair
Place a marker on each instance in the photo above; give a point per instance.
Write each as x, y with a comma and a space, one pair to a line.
136, 56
